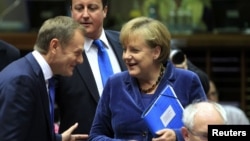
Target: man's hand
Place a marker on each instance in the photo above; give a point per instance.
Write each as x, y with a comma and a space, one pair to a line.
165, 135
67, 135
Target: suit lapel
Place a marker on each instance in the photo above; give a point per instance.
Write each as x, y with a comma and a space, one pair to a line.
41, 90
45, 102
86, 73
117, 47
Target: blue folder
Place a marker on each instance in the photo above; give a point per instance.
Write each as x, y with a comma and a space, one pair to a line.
165, 112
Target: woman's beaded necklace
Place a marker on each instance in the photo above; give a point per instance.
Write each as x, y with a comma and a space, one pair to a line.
156, 83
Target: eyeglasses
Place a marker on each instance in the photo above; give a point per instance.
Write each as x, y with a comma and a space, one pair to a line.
201, 135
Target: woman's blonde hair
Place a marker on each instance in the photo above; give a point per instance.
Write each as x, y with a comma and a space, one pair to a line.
153, 31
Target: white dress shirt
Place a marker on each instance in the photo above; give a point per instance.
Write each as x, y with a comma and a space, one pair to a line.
91, 52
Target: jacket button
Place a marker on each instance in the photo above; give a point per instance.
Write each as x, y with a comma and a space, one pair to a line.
144, 133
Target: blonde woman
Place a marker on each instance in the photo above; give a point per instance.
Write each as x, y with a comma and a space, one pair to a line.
146, 49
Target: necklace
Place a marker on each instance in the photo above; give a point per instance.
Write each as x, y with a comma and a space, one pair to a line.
156, 83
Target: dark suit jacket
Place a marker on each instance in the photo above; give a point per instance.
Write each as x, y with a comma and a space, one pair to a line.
8, 53
24, 104
202, 75
77, 96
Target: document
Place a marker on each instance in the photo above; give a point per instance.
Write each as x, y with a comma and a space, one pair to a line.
165, 112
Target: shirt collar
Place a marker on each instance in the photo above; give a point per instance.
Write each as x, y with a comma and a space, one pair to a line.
47, 72
88, 42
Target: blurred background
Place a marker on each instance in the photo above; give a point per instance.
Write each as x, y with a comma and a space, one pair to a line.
214, 34
181, 16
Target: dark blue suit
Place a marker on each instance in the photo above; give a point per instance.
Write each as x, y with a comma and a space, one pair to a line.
24, 104
8, 53
77, 96
120, 108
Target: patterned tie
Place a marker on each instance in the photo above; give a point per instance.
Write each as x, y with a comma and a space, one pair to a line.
103, 61
52, 100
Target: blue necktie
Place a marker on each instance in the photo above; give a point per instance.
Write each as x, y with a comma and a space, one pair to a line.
51, 100
103, 61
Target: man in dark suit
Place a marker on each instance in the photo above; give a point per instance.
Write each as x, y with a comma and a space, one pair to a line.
25, 100
77, 96
8, 53
180, 60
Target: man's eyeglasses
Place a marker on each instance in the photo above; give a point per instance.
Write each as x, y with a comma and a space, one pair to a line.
201, 135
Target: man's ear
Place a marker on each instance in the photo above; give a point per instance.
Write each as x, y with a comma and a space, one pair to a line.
185, 134
105, 11
54, 44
